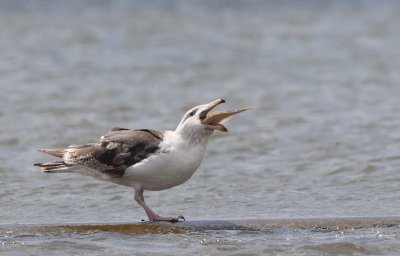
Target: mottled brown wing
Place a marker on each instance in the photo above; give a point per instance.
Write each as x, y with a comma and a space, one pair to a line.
117, 150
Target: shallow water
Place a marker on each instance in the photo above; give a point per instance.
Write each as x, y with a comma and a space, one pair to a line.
323, 141
222, 242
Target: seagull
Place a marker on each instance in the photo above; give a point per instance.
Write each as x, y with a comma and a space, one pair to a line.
145, 159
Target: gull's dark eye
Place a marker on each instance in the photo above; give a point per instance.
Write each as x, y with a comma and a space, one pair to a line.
192, 113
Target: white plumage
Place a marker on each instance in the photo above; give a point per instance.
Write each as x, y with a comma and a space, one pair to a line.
145, 159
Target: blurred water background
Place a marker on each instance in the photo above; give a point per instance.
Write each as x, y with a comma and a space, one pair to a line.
324, 140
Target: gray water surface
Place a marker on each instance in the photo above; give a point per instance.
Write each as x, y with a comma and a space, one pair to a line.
323, 140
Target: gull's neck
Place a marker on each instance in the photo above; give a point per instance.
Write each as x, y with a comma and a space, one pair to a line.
192, 136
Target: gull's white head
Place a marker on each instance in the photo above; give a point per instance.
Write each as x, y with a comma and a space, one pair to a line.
198, 122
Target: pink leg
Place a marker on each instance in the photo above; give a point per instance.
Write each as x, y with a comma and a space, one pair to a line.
150, 214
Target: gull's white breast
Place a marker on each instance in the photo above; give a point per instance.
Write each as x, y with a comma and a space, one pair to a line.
176, 162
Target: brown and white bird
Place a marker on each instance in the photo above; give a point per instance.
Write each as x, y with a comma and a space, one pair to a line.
145, 159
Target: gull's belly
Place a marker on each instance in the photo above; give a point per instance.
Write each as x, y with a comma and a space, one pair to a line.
164, 170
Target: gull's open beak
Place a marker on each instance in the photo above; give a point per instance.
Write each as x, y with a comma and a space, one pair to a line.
215, 120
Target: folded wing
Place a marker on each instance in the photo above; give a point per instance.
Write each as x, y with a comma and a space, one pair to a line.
117, 150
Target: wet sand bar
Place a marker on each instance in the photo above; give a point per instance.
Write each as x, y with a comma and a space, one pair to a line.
326, 224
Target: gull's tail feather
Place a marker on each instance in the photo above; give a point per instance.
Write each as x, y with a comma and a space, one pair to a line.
55, 167
53, 152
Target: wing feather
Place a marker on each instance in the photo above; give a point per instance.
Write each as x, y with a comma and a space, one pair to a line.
117, 150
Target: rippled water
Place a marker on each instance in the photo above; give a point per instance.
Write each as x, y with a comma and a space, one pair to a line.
323, 141
277, 242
